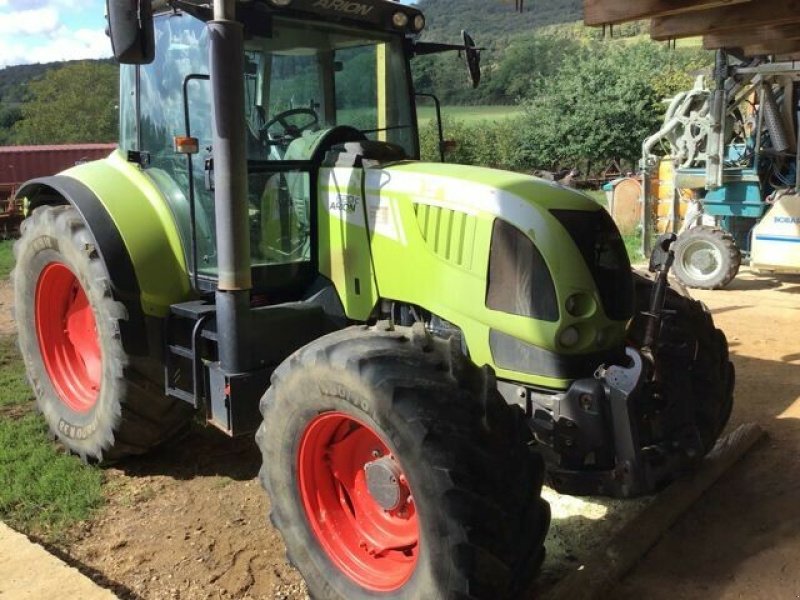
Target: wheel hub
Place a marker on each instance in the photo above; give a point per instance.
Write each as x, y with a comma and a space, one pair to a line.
358, 502
67, 334
701, 259
385, 483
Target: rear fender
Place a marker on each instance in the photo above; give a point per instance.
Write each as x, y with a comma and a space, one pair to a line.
135, 235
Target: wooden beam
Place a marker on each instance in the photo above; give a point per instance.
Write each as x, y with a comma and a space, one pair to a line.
788, 57
763, 13
750, 36
775, 47
604, 12
595, 579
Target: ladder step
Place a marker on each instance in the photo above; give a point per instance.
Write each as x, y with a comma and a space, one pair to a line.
193, 309
181, 351
180, 394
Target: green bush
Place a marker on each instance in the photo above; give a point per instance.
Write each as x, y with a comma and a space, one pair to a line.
483, 143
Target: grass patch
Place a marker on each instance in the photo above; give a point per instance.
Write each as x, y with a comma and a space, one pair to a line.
468, 114
6, 258
14, 389
633, 244
598, 196
42, 490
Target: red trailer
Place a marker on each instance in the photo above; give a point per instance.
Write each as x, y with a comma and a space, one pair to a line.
21, 163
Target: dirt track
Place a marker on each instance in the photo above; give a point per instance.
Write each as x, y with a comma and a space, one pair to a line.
189, 522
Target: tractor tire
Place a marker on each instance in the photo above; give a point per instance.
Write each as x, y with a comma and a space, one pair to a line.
461, 516
693, 354
706, 258
68, 332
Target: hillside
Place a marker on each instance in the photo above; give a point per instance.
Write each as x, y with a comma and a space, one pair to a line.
14, 78
491, 20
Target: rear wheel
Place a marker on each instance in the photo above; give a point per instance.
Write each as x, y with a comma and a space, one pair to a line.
706, 258
69, 336
396, 470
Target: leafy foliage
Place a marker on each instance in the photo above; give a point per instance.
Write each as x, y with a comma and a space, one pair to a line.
582, 101
76, 103
605, 101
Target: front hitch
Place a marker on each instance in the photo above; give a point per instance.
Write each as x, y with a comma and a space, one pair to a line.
661, 260
628, 430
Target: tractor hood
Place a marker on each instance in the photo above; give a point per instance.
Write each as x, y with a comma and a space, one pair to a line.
521, 200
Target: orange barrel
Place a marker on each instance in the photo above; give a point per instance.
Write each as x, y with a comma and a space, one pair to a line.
666, 195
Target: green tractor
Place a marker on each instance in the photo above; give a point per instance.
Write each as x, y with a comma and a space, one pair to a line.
413, 342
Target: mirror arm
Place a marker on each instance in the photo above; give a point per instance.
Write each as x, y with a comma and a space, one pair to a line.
423, 48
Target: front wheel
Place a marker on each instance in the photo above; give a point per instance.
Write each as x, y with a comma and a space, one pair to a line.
396, 470
69, 336
693, 357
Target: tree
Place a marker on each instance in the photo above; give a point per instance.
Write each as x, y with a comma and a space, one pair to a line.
604, 102
9, 115
526, 61
76, 103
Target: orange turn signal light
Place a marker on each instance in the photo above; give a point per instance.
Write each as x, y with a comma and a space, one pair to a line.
186, 145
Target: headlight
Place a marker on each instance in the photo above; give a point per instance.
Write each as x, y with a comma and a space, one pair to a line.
569, 337
280, 3
419, 23
579, 305
400, 19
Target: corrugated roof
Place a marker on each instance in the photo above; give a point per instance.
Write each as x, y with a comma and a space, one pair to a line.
57, 147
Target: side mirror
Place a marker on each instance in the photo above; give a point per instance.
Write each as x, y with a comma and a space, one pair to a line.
473, 56
130, 26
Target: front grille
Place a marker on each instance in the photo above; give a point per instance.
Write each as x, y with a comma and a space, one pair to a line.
601, 246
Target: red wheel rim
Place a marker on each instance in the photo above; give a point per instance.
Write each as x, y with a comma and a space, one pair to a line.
67, 336
376, 548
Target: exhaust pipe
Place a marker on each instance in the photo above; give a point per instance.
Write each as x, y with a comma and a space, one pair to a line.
226, 60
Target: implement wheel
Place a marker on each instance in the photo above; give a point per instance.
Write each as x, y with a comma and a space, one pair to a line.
395, 469
68, 333
706, 258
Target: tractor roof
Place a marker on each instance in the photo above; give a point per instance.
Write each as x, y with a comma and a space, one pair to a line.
375, 14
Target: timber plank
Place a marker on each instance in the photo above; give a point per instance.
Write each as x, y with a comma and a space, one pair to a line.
598, 576
717, 20
604, 12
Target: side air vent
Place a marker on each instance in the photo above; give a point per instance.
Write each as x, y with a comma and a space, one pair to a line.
448, 233
520, 282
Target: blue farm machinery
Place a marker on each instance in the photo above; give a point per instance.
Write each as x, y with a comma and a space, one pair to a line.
728, 185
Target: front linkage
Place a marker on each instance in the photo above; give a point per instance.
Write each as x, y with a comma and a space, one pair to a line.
631, 428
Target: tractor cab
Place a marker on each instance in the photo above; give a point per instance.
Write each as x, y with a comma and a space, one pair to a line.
316, 76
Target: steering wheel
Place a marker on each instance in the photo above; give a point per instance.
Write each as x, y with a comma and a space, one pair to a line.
290, 131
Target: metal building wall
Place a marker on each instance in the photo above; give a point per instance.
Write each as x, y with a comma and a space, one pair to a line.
21, 163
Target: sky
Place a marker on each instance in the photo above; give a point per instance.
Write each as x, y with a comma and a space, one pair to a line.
34, 31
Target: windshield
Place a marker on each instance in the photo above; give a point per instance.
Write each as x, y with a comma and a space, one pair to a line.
301, 81
306, 78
